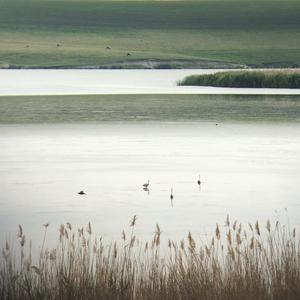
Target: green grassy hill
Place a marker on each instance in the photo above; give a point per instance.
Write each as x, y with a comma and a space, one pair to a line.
66, 33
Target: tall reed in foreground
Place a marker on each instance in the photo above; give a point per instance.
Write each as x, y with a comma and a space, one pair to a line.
239, 262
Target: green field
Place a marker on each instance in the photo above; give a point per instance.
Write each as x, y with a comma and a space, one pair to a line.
207, 33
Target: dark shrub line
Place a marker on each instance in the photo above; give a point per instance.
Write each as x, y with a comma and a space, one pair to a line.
246, 79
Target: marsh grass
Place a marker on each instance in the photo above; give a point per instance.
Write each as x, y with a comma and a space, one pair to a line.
239, 262
247, 79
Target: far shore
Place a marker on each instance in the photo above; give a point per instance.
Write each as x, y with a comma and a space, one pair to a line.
158, 64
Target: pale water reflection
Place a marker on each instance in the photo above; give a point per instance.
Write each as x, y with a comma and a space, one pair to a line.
248, 170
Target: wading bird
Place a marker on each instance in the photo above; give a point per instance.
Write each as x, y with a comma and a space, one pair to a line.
199, 181
145, 185
171, 197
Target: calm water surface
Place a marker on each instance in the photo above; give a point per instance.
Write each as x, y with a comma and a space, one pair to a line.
74, 82
249, 165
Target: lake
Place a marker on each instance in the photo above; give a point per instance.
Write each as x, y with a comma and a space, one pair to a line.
68, 82
245, 148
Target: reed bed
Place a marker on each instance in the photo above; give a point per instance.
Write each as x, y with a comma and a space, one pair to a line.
247, 79
238, 262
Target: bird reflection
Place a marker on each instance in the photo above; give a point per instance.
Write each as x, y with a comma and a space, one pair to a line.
146, 190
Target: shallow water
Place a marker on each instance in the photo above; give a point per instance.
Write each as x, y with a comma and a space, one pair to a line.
70, 82
249, 171
246, 149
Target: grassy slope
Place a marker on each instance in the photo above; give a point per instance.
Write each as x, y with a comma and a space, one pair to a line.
241, 31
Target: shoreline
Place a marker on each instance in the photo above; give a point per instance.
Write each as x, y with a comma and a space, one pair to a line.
156, 64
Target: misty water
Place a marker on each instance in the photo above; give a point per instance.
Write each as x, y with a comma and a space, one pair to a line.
245, 148
75, 82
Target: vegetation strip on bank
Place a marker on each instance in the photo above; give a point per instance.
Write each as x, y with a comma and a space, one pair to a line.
96, 109
247, 79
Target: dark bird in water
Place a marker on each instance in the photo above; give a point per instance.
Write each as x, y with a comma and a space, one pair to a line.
128, 54
81, 193
171, 196
46, 224
107, 48
145, 185
199, 181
